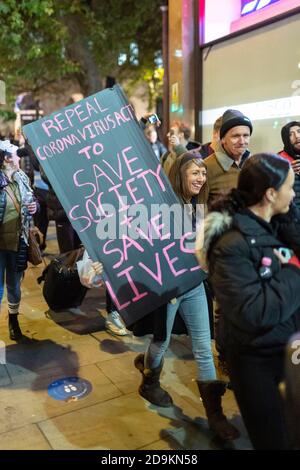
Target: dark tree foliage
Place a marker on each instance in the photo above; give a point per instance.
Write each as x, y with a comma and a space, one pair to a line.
43, 41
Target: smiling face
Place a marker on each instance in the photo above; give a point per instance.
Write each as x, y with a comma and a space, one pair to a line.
195, 178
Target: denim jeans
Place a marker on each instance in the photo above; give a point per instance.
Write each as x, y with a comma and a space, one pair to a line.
13, 279
193, 308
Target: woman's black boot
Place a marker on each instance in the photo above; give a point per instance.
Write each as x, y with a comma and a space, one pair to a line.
150, 388
15, 332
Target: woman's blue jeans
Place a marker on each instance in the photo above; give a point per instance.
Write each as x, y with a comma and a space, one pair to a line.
13, 279
193, 308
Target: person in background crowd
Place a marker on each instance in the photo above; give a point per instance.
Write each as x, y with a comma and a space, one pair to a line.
290, 134
158, 148
17, 205
67, 237
25, 153
179, 143
208, 149
245, 239
41, 190
188, 178
30, 165
224, 165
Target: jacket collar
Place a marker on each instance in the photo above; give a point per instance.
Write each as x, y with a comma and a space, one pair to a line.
255, 229
225, 161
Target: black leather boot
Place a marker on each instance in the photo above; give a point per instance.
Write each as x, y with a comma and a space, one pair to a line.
15, 332
150, 388
211, 393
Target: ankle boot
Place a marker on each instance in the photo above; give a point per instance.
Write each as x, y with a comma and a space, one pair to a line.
150, 388
211, 393
15, 332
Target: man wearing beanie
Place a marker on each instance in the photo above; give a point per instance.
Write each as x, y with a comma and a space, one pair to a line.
290, 134
224, 165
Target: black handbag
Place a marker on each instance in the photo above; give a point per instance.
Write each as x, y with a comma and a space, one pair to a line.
62, 287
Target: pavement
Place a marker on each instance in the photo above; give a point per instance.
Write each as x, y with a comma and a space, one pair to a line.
101, 408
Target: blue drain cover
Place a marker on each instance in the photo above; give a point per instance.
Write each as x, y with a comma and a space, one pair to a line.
69, 389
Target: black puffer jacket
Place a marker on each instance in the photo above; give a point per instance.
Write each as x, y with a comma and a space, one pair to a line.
257, 314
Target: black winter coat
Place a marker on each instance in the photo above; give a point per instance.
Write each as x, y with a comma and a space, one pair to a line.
55, 210
256, 314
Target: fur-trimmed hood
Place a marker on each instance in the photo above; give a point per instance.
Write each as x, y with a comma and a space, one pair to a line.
215, 224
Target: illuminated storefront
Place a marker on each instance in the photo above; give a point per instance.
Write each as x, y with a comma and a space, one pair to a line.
247, 56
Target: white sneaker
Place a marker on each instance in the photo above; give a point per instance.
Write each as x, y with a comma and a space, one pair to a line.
114, 324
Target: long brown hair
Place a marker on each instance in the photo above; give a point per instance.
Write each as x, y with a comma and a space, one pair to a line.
177, 176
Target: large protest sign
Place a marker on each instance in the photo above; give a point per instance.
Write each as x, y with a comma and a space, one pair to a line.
118, 199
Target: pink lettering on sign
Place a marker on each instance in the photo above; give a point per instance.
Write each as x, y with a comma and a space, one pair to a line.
69, 113
172, 261
123, 206
138, 295
93, 211
133, 190
182, 240
98, 173
127, 243
111, 251
145, 236
79, 185
157, 177
156, 276
81, 217
126, 220
195, 268
158, 228
97, 149
119, 173
106, 215
114, 298
39, 154
188, 250
128, 162
75, 115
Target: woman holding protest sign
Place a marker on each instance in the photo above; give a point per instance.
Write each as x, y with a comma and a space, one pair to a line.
17, 205
188, 178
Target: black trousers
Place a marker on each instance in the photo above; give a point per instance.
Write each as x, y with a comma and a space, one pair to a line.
255, 381
67, 238
110, 306
41, 217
